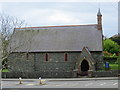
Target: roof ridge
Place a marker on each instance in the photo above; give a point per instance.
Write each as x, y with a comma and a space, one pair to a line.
57, 26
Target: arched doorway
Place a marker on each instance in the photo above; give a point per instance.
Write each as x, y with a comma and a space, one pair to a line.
84, 68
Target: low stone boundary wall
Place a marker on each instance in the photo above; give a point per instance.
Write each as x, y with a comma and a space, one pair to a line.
36, 74
113, 73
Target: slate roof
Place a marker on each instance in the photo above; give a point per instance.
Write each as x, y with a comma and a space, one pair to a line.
56, 38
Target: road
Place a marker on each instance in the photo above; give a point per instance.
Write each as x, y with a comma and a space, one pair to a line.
61, 84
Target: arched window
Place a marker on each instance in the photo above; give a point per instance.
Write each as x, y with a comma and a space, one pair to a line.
46, 57
66, 57
27, 56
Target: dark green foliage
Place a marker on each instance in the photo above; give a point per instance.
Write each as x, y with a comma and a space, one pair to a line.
116, 39
111, 46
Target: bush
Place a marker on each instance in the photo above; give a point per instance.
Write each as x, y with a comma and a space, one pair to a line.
112, 67
111, 46
118, 60
106, 53
111, 59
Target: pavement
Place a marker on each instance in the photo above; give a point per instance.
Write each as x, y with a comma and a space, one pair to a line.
65, 79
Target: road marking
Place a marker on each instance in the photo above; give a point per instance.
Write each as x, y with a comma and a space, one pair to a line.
89, 84
66, 84
73, 84
115, 83
30, 84
58, 85
103, 84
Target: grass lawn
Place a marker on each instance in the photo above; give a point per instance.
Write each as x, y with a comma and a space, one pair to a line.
114, 67
5, 70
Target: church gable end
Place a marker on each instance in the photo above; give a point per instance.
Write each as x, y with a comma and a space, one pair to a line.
85, 55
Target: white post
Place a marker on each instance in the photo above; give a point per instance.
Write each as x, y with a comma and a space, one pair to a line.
20, 80
40, 80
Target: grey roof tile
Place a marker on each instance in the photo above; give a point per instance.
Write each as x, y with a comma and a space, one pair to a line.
57, 38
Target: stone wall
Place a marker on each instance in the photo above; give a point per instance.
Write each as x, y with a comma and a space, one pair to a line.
98, 56
18, 62
0, 55
36, 74
113, 73
34, 63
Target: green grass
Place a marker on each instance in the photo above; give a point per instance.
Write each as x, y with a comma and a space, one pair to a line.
5, 70
114, 67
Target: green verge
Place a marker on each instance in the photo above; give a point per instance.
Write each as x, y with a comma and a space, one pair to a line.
5, 70
114, 67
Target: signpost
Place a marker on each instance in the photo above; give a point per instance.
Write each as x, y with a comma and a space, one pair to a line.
107, 67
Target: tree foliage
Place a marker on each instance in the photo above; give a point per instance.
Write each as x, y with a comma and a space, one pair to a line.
111, 46
116, 38
7, 25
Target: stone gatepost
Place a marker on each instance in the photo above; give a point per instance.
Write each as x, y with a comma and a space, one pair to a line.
75, 73
90, 73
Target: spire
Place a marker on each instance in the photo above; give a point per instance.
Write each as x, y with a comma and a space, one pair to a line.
99, 20
99, 13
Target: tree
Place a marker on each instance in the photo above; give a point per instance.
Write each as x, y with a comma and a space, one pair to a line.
0, 52
7, 25
111, 46
116, 38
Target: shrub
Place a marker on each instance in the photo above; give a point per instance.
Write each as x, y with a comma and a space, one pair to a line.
111, 46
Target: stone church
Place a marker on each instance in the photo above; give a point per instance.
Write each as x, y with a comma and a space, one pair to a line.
56, 51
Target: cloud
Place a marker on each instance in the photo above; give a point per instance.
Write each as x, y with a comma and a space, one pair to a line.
40, 14
59, 0
56, 17
59, 16
0, 7
110, 24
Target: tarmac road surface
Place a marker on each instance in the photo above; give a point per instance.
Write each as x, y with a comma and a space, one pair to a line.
95, 83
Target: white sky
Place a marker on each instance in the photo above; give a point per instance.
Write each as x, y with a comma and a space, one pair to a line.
59, 0
64, 13
0, 7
